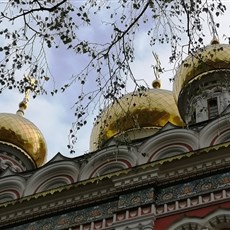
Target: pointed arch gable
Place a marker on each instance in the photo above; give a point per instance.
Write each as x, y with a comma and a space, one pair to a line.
216, 132
109, 160
57, 174
168, 143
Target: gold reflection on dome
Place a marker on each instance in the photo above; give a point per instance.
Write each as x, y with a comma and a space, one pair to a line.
213, 57
145, 109
17, 130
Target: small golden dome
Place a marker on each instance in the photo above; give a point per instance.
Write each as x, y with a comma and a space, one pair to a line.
22, 133
212, 57
150, 109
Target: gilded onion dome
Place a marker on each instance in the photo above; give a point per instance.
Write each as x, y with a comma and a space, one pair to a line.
210, 58
20, 133
135, 115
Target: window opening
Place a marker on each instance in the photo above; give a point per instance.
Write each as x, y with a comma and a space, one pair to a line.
212, 108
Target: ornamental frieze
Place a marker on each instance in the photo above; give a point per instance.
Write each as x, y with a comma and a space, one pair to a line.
195, 187
92, 214
72, 218
136, 198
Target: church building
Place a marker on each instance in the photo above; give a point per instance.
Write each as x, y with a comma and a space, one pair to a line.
158, 160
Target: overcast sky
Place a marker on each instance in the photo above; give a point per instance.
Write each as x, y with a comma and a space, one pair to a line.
54, 115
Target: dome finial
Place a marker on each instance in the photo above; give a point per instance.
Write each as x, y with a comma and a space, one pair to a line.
24, 102
156, 84
215, 40
157, 70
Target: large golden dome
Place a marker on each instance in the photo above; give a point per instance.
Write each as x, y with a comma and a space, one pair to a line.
21, 133
150, 109
212, 57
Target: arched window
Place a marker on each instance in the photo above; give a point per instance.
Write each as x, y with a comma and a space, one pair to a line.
212, 108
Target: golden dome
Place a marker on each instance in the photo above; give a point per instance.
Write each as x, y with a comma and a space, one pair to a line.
22, 133
212, 57
150, 109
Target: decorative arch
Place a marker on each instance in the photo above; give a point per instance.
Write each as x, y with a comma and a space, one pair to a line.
168, 143
54, 182
188, 223
216, 132
7, 161
220, 222
109, 160
217, 220
190, 226
169, 150
221, 137
110, 166
8, 195
15, 158
12, 188
54, 175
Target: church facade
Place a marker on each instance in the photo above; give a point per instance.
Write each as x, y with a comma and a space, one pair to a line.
159, 160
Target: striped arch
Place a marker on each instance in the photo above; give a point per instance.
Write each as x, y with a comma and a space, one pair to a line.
216, 132
52, 176
11, 188
168, 143
190, 226
110, 166
188, 223
9, 195
54, 182
109, 160
217, 220
7, 161
221, 137
169, 150
220, 222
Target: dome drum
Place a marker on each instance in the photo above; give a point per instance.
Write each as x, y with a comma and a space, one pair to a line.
201, 86
212, 57
214, 84
14, 158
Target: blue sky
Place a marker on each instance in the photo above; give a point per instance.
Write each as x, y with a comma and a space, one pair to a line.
55, 114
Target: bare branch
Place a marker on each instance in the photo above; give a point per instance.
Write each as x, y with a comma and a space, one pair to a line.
41, 8
121, 34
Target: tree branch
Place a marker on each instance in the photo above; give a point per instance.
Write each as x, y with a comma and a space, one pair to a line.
188, 21
41, 8
118, 38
